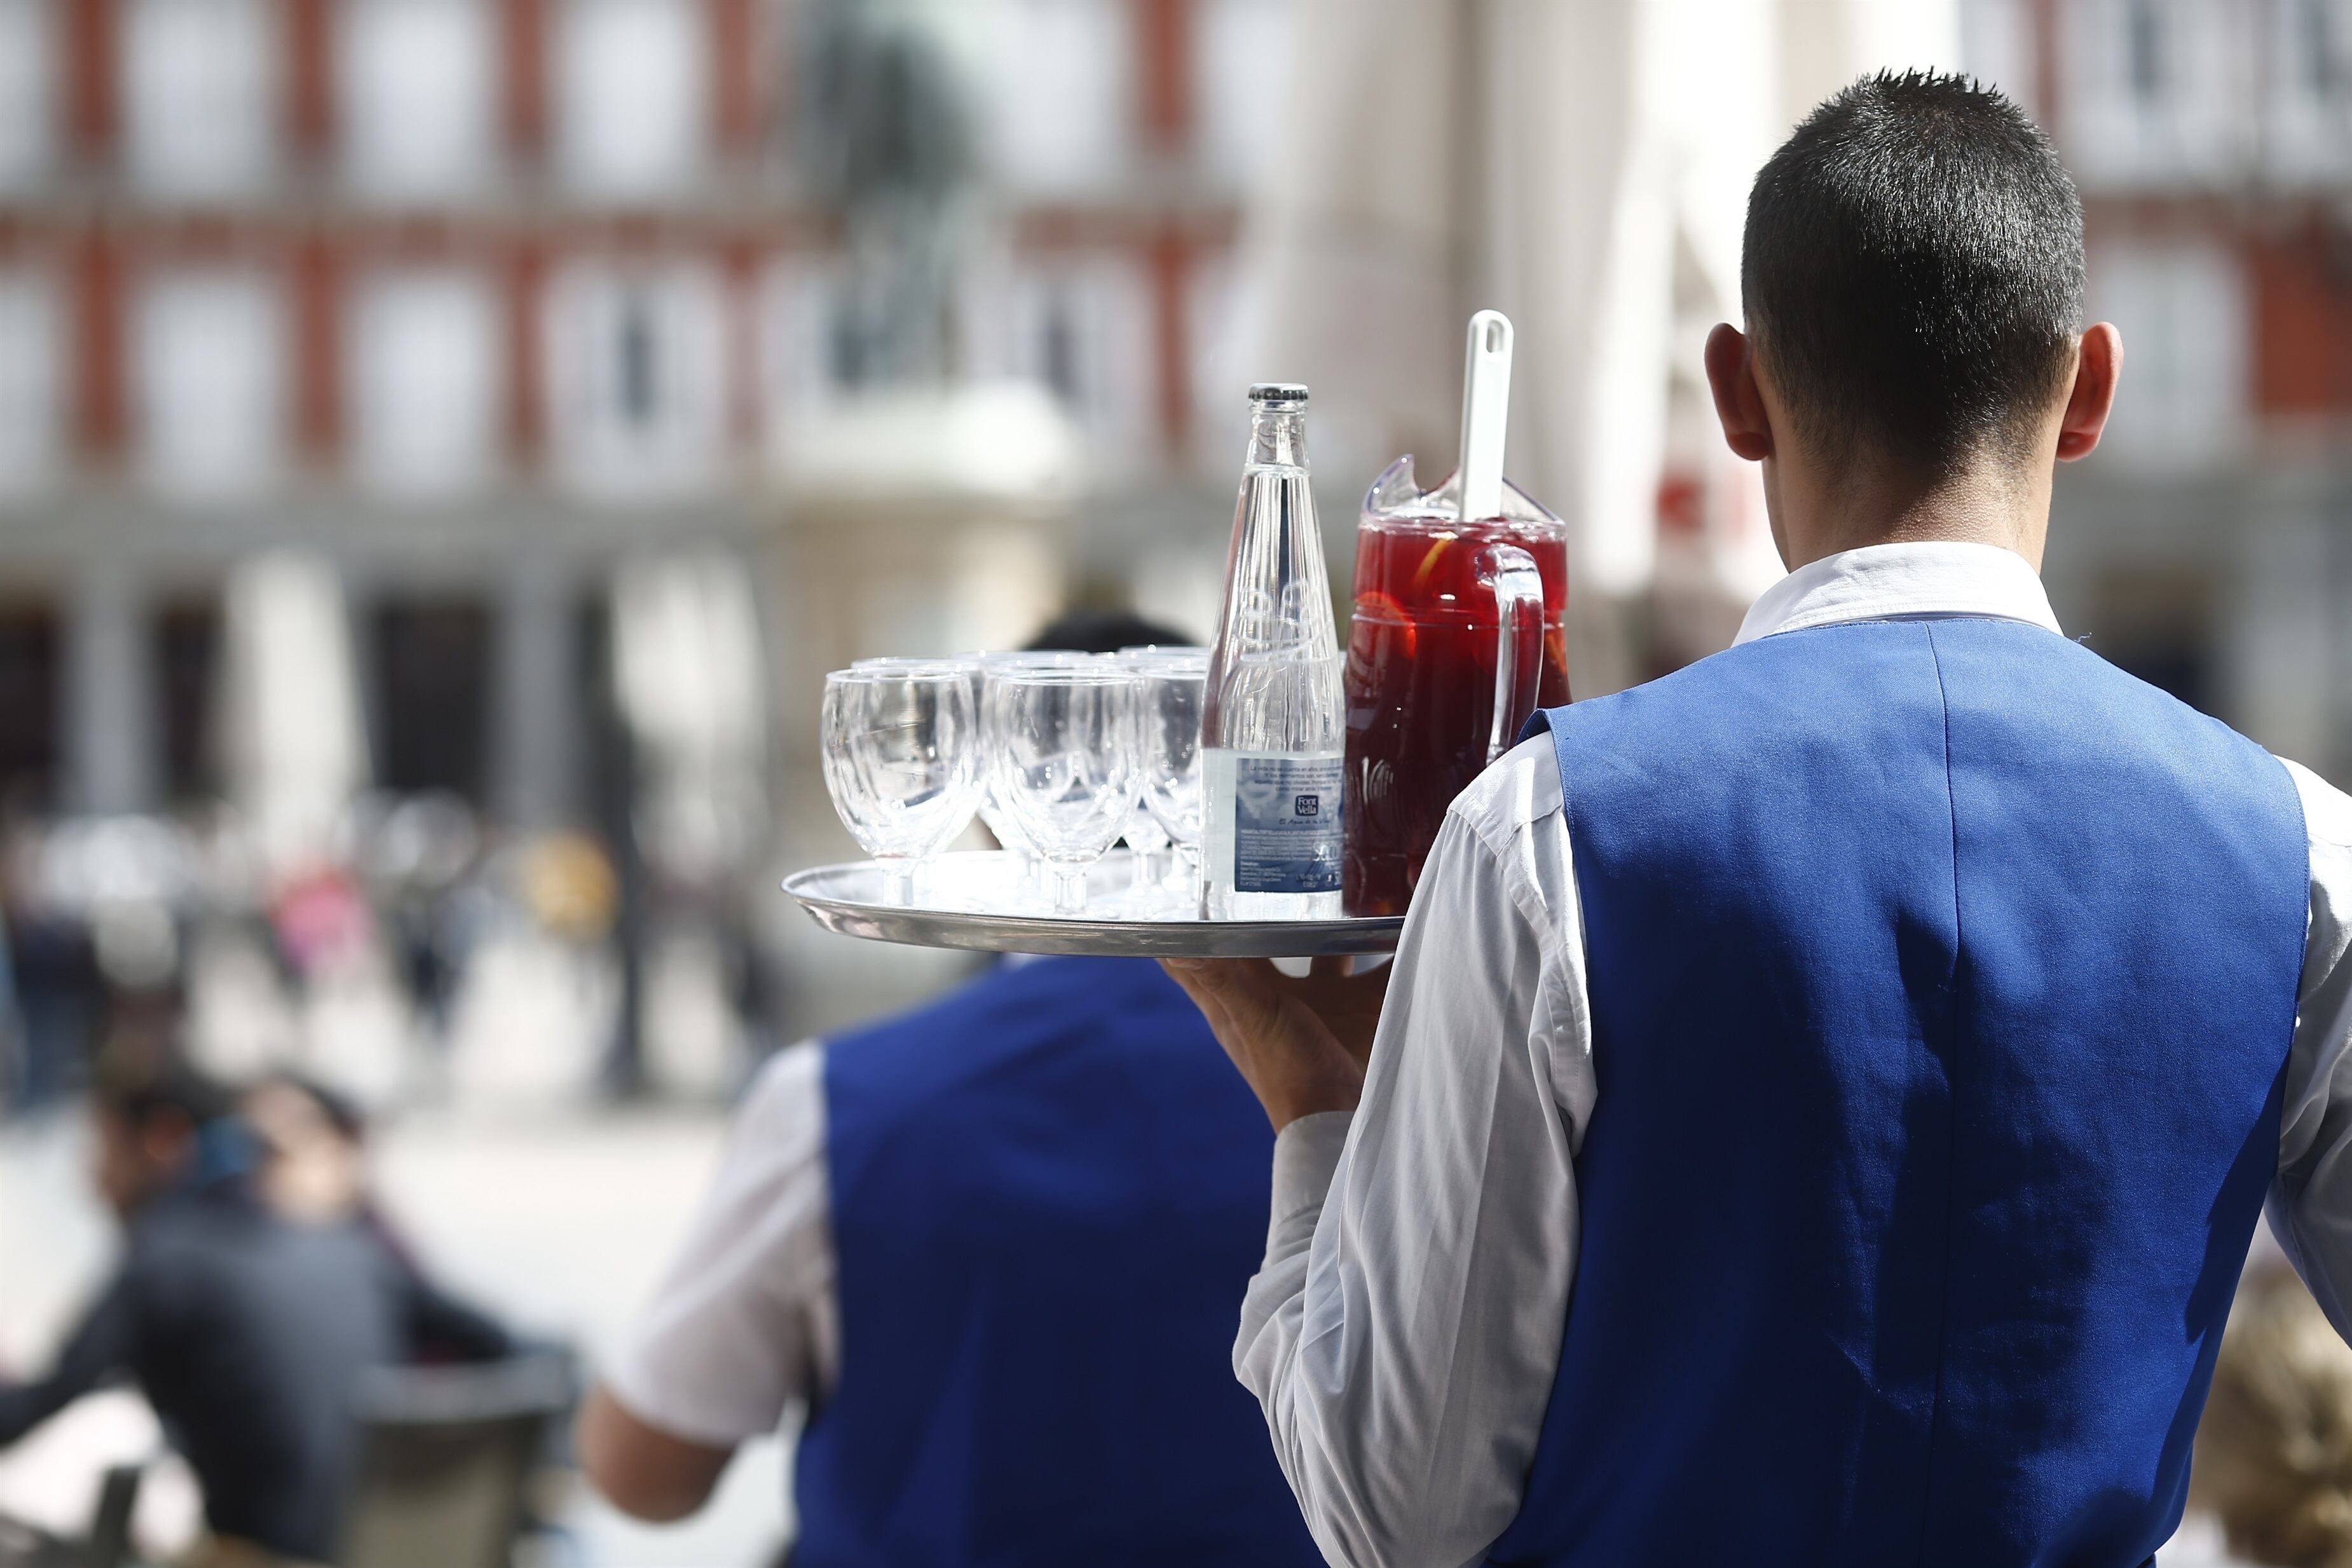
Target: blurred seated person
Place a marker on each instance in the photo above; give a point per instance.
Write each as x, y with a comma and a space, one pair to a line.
310, 1167
243, 1330
995, 1246
311, 1150
2275, 1448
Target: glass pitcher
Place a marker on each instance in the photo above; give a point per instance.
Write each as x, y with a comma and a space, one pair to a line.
1457, 636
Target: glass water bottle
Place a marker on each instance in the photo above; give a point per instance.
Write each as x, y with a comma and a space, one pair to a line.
1273, 732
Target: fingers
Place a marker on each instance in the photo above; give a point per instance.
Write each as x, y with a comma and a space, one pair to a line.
1211, 990
1241, 997
1277, 1037
1228, 982
1249, 993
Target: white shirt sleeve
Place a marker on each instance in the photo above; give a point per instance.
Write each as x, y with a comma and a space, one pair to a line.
1403, 1332
746, 1322
2311, 1201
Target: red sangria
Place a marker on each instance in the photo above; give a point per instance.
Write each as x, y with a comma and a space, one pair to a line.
1457, 636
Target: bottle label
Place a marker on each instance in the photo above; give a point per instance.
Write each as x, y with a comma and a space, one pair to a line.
1281, 831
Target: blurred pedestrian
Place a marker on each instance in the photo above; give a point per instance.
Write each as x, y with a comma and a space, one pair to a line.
995, 1246
54, 975
2274, 1450
245, 1330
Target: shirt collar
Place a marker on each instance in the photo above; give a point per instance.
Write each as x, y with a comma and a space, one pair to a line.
1881, 582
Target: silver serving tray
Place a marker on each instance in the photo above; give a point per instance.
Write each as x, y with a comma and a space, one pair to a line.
975, 901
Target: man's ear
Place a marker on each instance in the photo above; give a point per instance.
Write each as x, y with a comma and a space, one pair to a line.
1738, 402
2097, 367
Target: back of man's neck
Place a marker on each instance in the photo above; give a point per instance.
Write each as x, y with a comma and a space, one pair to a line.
1982, 506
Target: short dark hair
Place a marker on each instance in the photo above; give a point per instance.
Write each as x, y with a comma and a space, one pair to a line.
1912, 271
341, 1111
1102, 631
139, 1086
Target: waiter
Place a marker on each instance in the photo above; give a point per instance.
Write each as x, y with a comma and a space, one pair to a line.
1824, 1095
993, 1246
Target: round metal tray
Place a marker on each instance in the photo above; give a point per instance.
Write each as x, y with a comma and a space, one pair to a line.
975, 900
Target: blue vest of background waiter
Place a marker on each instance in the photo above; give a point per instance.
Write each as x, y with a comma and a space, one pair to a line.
1049, 1194
1942, 978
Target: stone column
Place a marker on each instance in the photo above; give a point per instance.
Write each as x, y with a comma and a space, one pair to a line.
535, 750
110, 714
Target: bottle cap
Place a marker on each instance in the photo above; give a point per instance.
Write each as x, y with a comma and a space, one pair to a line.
1278, 391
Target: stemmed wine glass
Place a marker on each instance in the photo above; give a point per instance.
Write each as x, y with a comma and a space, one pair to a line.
1149, 844
1158, 854
1064, 749
1171, 684
901, 751
993, 813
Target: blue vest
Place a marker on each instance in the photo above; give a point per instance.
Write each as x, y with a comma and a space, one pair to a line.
1049, 1192
1942, 977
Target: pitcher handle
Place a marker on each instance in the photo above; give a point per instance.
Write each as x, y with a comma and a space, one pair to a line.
1511, 573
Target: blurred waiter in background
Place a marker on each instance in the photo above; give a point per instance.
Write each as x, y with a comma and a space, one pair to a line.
996, 1245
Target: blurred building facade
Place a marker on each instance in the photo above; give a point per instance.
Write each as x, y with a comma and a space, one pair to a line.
2208, 544
524, 329
474, 295
569, 346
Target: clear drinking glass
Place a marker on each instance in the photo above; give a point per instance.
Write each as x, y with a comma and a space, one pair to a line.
969, 663
1171, 684
993, 811
1149, 843
1064, 753
901, 749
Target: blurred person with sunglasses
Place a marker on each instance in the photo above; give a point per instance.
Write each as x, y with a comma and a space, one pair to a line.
245, 1330
995, 1247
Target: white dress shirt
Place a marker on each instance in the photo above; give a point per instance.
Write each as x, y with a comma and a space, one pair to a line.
746, 1323
1403, 1332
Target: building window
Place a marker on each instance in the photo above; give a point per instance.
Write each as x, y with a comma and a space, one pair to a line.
28, 106
632, 91
32, 382
2144, 50
1997, 47
2314, 33
1057, 94
425, 383
2309, 104
1082, 328
2157, 621
798, 373
201, 94
1240, 62
183, 662
2152, 93
431, 679
2182, 310
31, 684
1215, 310
210, 372
418, 96
636, 377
